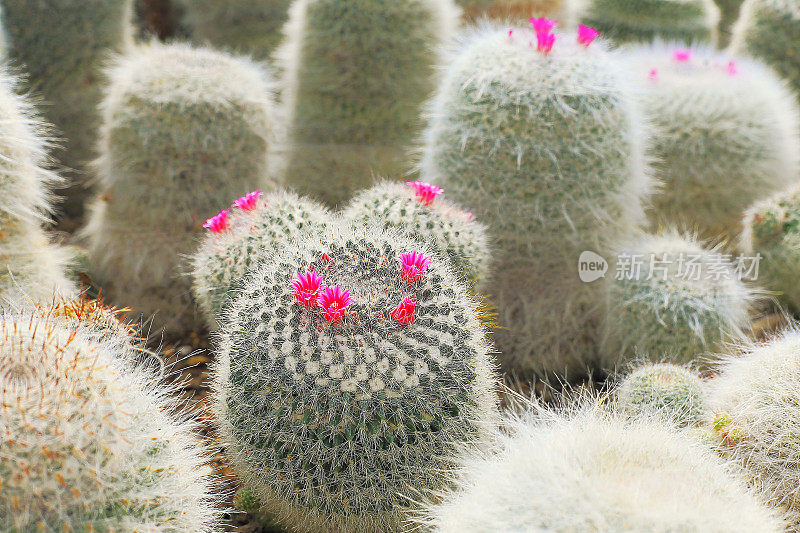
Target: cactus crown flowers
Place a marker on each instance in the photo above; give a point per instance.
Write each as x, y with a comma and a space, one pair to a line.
307, 288
426, 192
218, 223
544, 36
586, 35
334, 303
413, 265
248, 202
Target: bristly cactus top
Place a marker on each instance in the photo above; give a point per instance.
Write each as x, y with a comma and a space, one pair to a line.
350, 365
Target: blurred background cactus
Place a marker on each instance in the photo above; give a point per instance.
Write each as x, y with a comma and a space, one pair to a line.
185, 130
351, 364
61, 45
729, 13
675, 393
513, 10
547, 147
358, 74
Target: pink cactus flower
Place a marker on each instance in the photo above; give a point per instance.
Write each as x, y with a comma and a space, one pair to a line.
306, 288
426, 193
510, 35
544, 25
219, 223
403, 314
469, 216
412, 266
544, 38
248, 202
334, 303
682, 55
586, 35
731, 68
653, 76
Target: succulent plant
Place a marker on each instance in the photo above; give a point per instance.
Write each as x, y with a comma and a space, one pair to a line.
350, 365
729, 13
506, 10
673, 392
185, 130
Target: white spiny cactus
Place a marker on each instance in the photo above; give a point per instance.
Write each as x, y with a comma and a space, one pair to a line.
674, 392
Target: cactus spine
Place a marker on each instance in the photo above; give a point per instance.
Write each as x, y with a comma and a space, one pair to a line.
360, 71
548, 150
338, 403
184, 131
673, 392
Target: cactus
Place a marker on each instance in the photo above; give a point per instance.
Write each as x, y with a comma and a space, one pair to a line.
513, 9
770, 30
185, 130
725, 133
681, 303
62, 44
359, 72
729, 13
547, 148
87, 441
588, 470
414, 210
255, 230
772, 231
757, 420
674, 392
31, 268
337, 404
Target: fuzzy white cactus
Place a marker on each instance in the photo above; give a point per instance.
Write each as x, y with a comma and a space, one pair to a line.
588, 470
674, 392
185, 130
726, 132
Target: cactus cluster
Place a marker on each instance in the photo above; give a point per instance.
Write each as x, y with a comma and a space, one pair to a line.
545, 143
726, 132
185, 129
673, 392
87, 442
350, 366
588, 470
358, 73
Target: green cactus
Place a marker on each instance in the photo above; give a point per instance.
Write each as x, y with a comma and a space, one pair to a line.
61, 45
87, 441
515, 10
185, 130
725, 133
411, 210
674, 392
548, 149
338, 404
358, 73
729, 13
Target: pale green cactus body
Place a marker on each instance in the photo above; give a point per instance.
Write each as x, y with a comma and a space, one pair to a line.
185, 130
548, 150
339, 425
673, 392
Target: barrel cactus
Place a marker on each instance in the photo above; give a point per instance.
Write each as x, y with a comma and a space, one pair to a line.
185, 130
417, 210
260, 226
545, 143
588, 470
726, 132
359, 72
673, 392
351, 364
61, 44
87, 441
671, 298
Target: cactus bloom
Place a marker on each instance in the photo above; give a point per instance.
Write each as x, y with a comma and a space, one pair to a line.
544, 36
586, 35
426, 193
248, 202
218, 223
413, 265
403, 314
334, 303
682, 55
306, 288
731, 68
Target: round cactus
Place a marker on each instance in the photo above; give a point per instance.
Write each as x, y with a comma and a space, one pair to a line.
185, 130
754, 398
588, 470
87, 441
259, 227
416, 210
675, 392
359, 72
545, 143
339, 391
725, 133
681, 302
61, 44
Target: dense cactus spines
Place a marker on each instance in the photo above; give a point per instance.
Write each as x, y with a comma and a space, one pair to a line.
674, 392
547, 148
185, 130
61, 45
725, 133
349, 367
87, 441
592, 471
445, 226
681, 303
359, 73
254, 231
754, 398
